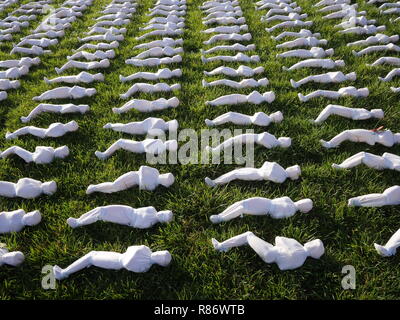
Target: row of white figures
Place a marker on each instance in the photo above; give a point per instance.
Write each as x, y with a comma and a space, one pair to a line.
7, 3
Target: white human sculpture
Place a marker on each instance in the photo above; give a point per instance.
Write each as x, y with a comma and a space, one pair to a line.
303, 42
329, 77
254, 98
103, 64
100, 30
368, 29
147, 126
342, 92
270, 171
371, 137
75, 92
165, 42
27, 188
14, 258
290, 24
336, 7
141, 218
162, 33
42, 42
146, 178
153, 62
6, 84
34, 50
287, 253
149, 146
245, 83
379, 38
163, 26
147, 105
344, 13
264, 139
234, 47
314, 52
98, 46
241, 71
149, 88
14, 221
135, 259
389, 197
48, 34
165, 73
391, 75
278, 208
386, 60
386, 161
303, 33
108, 36
390, 5
6, 37
292, 16
55, 108
55, 130
351, 113
222, 14
225, 21
159, 52
258, 119
330, 2
114, 23
239, 57
388, 47
228, 37
170, 18
25, 61
14, 72
227, 29
41, 155
390, 248
97, 55
316, 63
82, 77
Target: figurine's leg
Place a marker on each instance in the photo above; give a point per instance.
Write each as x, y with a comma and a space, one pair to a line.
34, 113
229, 117
81, 263
236, 241
39, 132
369, 200
248, 174
22, 153
68, 65
337, 140
391, 75
125, 144
230, 213
124, 182
391, 246
351, 162
88, 218
333, 109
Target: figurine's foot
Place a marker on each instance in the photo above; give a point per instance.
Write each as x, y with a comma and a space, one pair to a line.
72, 222
58, 273
100, 155
215, 219
210, 182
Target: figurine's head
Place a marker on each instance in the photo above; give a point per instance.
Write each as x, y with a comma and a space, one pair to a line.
49, 187
352, 76
166, 179
315, 248
377, 113
72, 125
396, 137
173, 125
284, 142
165, 216
61, 152
304, 205
163, 258
293, 172
32, 218
364, 92
91, 91
276, 117
340, 63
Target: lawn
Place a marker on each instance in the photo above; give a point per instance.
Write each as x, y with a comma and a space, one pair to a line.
197, 270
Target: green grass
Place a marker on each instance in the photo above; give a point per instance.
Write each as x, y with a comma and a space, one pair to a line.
197, 270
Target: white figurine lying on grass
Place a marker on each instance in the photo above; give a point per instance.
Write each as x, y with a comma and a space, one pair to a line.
154, 62
287, 253
6, 84
314, 52
147, 126
290, 24
303, 42
303, 33
165, 42
14, 221
239, 57
27, 188
165, 73
228, 37
386, 161
75, 92
234, 47
149, 88
342, 92
264, 139
270, 171
350, 113
161, 33
146, 178
41, 155
98, 46
147, 105
390, 248
108, 36
225, 21
290, 17
277, 208
89, 56
241, 71
368, 29
376, 39
55, 130
149, 146
316, 63
159, 52
245, 83
254, 98
141, 218
371, 137
14, 258
389, 197
393, 61
395, 90
34, 50
17, 63
227, 29
388, 47
329, 77
83, 77
102, 64
391, 75
258, 119
135, 259
55, 108
14, 72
